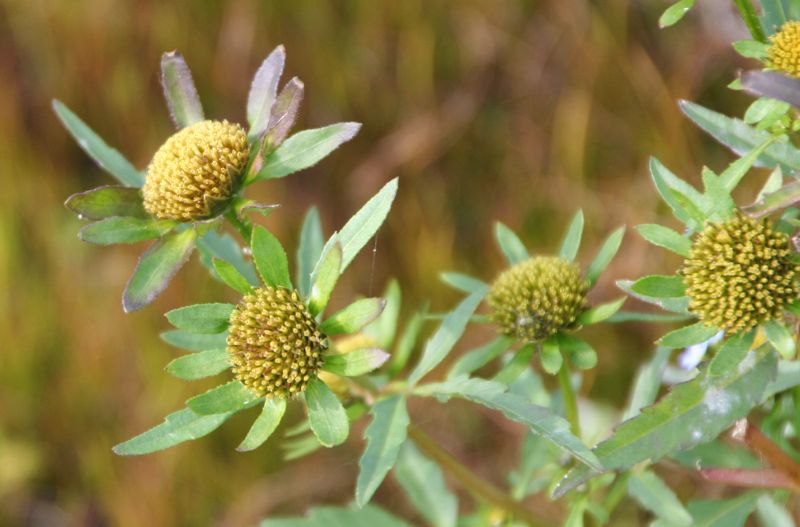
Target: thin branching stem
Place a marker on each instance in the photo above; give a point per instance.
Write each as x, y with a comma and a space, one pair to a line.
570, 400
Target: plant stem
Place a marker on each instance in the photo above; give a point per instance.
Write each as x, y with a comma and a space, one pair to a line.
751, 19
570, 401
767, 449
243, 226
480, 488
617, 492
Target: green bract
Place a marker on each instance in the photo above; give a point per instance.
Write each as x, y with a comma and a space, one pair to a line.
198, 176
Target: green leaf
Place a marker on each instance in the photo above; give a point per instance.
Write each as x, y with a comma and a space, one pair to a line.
384, 328
572, 238
479, 357
605, 255
660, 286
693, 413
407, 342
601, 312
732, 175
788, 377
780, 338
439, 345
687, 336
179, 90
199, 365
675, 305
180, 426
424, 484
231, 276
666, 238
731, 354
462, 282
774, 15
538, 419
115, 230
723, 513
223, 246
579, 352
308, 250
764, 112
265, 424
270, 258
365, 223
326, 415
674, 13
106, 157
550, 356
787, 196
685, 201
355, 363
107, 202
516, 366
654, 495
194, 342
741, 138
229, 397
635, 316
647, 383
512, 247
156, 268
305, 149
326, 275
751, 49
263, 91
202, 318
369, 516
384, 435
354, 317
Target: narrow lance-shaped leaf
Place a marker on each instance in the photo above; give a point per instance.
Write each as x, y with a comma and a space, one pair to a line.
462, 282
325, 277
572, 238
229, 397
270, 258
780, 338
201, 318
106, 157
355, 363
678, 305
666, 238
772, 84
115, 230
326, 415
512, 247
231, 276
384, 328
685, 201
424, 484
654, 495
785, 197
354, 317
284, 112
180, 426
660, 286
647, 383
107, 202
601, 312
308, 250
384, 435
194, 341
263, 89
604, 256
265, 424
223, 246
156, 268
732, 175
674, 13
479, 357
199, 365
365, 223
179, 90
688, 336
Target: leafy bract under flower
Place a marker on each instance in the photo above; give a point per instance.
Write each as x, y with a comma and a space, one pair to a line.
784, 52
739, 274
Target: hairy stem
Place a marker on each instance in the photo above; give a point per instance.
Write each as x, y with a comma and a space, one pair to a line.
570, 401
478, 487
750, 18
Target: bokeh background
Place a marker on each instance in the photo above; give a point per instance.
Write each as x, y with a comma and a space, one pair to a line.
512, 110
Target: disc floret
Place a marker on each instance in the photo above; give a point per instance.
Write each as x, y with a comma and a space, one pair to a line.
739, 274
537, 298
275, 344
195, 170
784, 51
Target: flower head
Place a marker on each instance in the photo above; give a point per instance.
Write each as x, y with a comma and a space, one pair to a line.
274, 343
536, 298
739, 274
194, 170
784, 51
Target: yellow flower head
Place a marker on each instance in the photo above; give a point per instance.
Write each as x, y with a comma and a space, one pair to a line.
739, 274
535, 299
274, 342
784, 51
195, 170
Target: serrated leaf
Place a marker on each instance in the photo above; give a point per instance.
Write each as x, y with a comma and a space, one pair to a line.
110, 231
384, 435
263, 91
179, 90
305, 149
604, 256
214, 245
354, 317
270, 258
666, 238
674, 13
654, 495
479, 357
512, 247
193, 341
326, 415
231, 276
308, 250
199, 365
180, 426
369, 516
355, 363
780, 338
106, 202
692, 413
284, 111
660, 286
423, 482
601, 312
687, 336
229, 397
201, 318
537, 418
572, 238
265, 424
452, 327
106, 157
741, 138
462, 282
325, 276
365, 223
156, 267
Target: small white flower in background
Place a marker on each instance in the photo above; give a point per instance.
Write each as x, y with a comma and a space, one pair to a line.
691, 356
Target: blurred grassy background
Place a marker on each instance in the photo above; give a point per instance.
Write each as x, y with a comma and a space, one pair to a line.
511, 110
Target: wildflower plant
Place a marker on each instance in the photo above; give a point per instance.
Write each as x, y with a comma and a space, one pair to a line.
735, 293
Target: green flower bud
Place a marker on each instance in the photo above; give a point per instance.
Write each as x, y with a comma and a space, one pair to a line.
535, 299
784, 51
739, 274
274, 343
195, 170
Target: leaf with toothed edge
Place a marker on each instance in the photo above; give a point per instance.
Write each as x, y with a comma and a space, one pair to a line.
179, 90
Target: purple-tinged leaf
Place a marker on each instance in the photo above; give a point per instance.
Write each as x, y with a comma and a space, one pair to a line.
786, 196
263, 91
179, 90
284, 112
107, 202
774, 85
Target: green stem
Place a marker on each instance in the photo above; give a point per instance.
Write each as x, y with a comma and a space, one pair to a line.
478, 487
570, 401
750, 18
243, 226
618, 491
